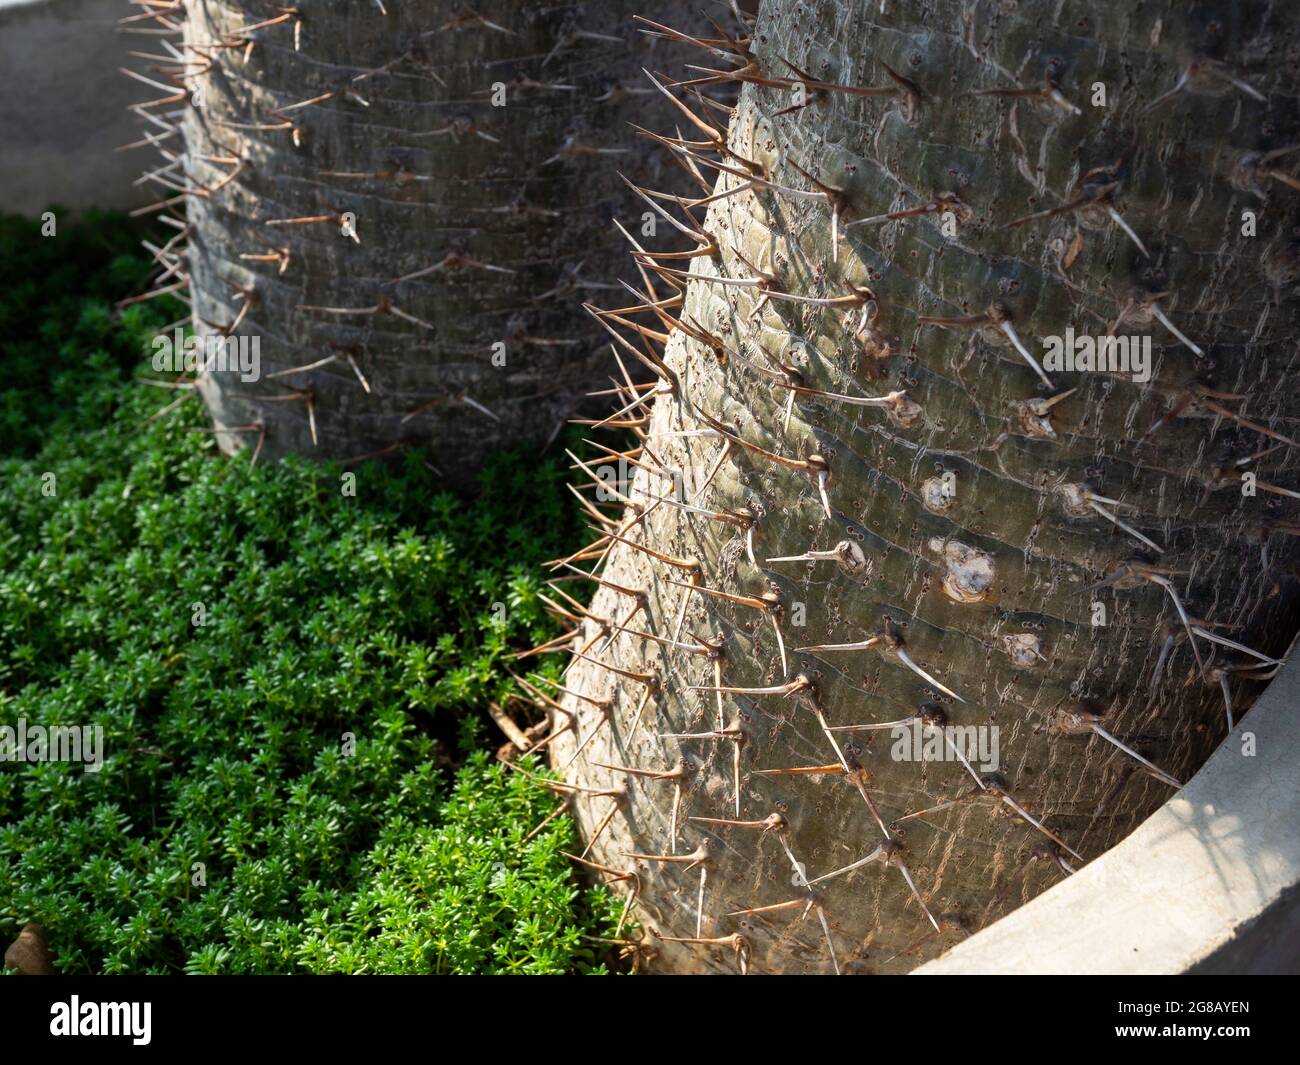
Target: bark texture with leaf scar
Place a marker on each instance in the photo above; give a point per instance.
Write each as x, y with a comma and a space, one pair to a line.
406, 203
874, 519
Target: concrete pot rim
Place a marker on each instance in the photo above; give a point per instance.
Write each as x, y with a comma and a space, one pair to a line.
1209, 883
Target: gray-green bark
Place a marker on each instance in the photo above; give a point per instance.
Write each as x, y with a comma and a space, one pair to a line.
502, 212
989, 586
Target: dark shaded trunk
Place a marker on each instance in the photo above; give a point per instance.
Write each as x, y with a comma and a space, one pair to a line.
452, 321
971, 514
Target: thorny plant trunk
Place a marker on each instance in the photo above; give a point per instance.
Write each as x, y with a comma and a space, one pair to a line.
967, 524
407, 202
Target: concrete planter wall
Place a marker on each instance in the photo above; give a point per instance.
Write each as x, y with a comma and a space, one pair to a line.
1209, 883
63, 106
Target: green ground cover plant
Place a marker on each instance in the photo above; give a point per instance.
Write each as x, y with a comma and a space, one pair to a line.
300, 783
